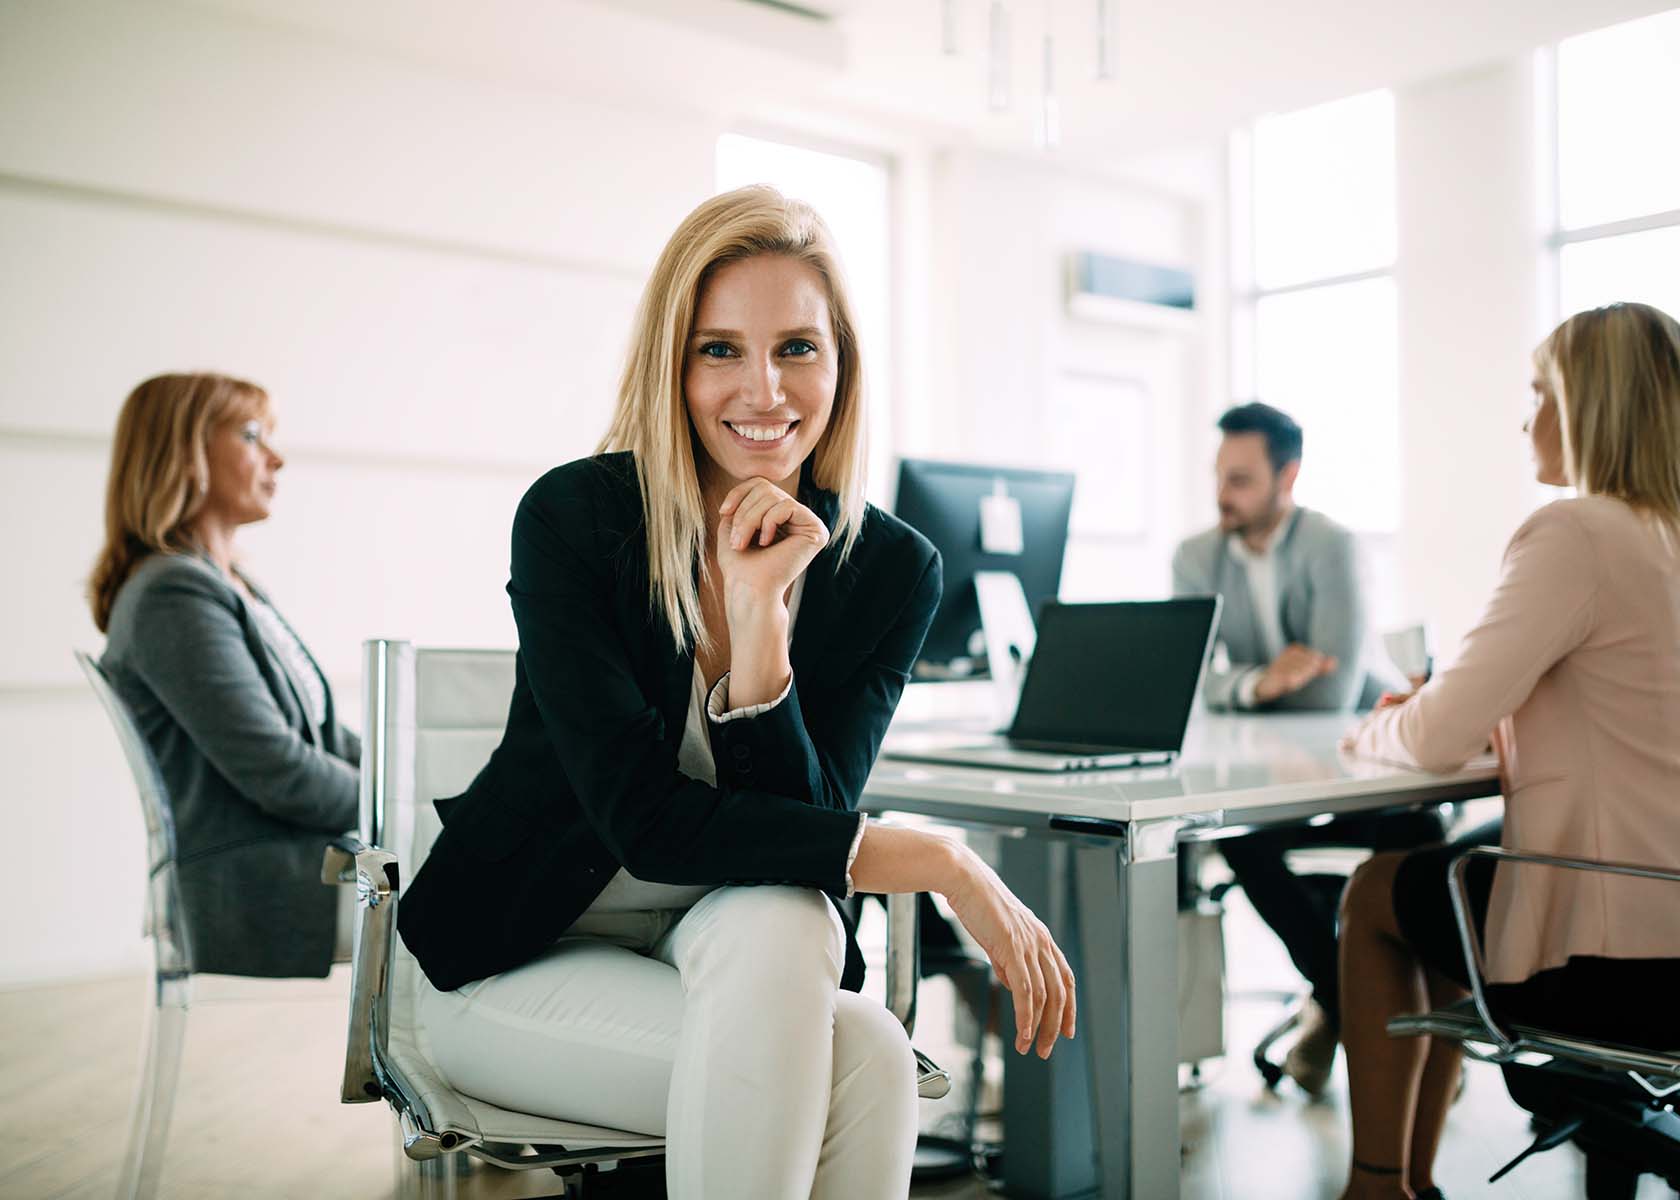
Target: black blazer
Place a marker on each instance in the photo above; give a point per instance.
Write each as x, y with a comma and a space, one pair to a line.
585, 779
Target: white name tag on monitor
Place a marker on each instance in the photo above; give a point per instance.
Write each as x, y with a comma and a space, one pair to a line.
1000, 523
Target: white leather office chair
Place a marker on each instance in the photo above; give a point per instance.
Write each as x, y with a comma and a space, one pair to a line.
432, 719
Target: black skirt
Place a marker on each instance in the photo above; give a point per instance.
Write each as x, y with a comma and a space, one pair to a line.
1628, 1001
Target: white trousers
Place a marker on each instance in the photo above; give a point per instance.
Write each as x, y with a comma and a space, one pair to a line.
722, 1027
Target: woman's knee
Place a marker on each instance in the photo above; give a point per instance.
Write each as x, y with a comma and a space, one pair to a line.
1368, 901
872, 1055
787, 932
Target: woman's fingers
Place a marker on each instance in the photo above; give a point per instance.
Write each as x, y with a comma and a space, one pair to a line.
1028, 997
1070, 1017
1055, 1000
749, 512
774, 518
733, 500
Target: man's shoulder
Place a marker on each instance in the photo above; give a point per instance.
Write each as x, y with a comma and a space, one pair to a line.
1316, 531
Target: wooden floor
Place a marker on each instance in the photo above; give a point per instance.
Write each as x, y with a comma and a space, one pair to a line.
258, 1113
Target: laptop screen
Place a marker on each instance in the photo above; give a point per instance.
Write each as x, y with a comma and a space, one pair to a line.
1116, 674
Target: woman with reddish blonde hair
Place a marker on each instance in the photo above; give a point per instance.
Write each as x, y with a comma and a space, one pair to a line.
260, 774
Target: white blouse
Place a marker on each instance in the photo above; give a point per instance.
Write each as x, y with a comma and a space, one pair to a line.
294, 660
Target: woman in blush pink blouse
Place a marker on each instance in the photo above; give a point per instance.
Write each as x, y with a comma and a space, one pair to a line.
1574, 674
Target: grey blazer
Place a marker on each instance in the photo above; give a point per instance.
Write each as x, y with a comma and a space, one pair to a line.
256, 792
1317, 573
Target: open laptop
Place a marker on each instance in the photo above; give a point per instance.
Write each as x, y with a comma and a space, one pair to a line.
1108, 685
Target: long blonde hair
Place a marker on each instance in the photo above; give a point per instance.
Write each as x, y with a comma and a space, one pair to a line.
160, 472
651, 418
1615, 373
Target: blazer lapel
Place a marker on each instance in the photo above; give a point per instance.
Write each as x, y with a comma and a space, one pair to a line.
827, 583
279, 680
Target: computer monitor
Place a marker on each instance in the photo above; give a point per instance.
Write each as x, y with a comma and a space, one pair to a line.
944, 502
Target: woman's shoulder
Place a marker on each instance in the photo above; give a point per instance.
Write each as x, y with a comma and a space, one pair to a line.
591, 505
603, 487
1585, 517
161, 572
1588, 537
887, 543
595, 478
163, 588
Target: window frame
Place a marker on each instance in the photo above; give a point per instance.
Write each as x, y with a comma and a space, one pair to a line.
1247, 293
1556, 236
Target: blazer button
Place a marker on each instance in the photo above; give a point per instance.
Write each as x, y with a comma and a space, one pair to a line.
741, 752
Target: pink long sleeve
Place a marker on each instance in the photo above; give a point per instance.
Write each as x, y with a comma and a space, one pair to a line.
1542, 609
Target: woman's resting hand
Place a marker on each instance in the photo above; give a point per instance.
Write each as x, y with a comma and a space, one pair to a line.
1026, 958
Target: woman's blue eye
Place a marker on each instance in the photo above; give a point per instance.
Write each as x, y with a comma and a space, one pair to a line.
717, 350
799, 346
252, 436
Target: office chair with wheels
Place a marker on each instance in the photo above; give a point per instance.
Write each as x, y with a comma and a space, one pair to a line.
1617, 1103
165, 925
432, 719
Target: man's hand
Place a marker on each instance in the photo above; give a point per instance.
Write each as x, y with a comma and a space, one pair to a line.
1291, 671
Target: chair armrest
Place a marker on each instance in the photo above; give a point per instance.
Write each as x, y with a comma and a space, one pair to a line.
338, 864
1475, 964
367, 1040
904, 956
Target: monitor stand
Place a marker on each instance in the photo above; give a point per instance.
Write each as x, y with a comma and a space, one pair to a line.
1007, 624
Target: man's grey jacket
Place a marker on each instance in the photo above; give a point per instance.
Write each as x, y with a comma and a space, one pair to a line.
1316, 574
256, 792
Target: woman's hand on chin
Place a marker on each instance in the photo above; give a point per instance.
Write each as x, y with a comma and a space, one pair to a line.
765, 539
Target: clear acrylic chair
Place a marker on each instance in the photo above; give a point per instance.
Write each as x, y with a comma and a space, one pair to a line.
172, 967
432, 719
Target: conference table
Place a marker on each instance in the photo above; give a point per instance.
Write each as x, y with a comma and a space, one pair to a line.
1094, 854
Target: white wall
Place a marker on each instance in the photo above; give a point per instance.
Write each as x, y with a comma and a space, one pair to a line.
432, 276
1006, 346
1471, 309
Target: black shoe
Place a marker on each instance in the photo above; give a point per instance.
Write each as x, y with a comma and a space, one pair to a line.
1429, 1193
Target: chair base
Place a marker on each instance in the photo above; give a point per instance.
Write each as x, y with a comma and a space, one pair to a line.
1272, 1072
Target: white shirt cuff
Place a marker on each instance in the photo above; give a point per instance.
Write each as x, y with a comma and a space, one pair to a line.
717, 703
851, 855
1248, 688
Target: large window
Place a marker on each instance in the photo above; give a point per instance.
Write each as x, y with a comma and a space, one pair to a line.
1618, 175
1314, 312
853, 194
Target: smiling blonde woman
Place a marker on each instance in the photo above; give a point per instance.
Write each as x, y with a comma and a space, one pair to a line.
627, 919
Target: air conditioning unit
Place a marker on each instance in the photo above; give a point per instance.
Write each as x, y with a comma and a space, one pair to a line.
1122, 291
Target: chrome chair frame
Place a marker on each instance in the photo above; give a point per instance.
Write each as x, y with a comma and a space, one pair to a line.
372, 1072
1471, 1022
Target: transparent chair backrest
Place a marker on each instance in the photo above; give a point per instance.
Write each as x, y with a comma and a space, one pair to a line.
164, 919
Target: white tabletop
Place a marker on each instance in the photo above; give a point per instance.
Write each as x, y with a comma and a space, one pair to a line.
1234, 769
